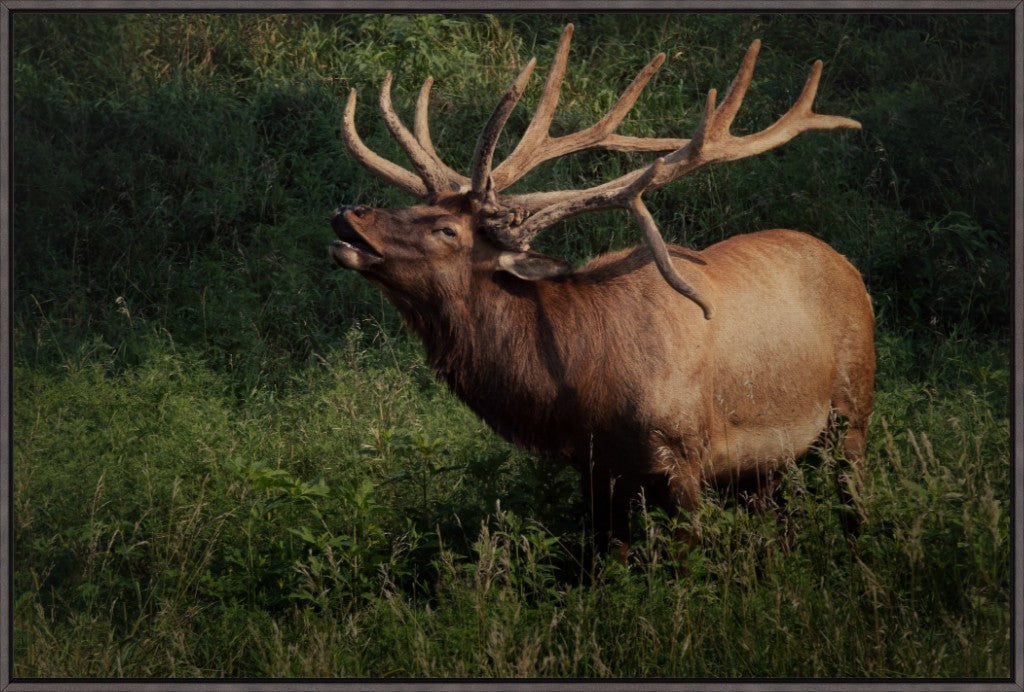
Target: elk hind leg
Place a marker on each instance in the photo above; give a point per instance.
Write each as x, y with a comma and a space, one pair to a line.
848, 429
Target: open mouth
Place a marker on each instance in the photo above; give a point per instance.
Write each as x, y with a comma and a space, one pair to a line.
359, 246
351, 248
350, 238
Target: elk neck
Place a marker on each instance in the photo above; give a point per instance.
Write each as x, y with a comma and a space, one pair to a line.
541, 362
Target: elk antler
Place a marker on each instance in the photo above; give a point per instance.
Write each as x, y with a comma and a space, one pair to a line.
422, 129
514, 220
434, 176
712, 143
537, 145
488, 139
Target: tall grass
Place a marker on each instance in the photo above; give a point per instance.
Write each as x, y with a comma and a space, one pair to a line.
231, 460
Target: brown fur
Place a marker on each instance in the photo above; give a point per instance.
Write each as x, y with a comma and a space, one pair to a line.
612, 370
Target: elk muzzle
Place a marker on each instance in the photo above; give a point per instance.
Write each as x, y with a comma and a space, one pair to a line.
352, 249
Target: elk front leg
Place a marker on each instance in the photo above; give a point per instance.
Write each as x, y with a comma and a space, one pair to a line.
676, 462
608, 504
766, 496
685, 492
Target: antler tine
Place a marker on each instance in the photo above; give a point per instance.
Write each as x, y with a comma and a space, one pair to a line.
627, 99
421, 127
661, 257
426, 165
537, 131
726, 112
388, 171
805, 103
483, 155
705, 127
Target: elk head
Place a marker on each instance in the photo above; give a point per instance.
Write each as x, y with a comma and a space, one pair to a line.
428, 251
467, 225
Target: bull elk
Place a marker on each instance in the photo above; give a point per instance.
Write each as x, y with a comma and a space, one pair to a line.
655, 370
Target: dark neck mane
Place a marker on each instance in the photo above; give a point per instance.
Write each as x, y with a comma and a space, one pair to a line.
505, 357
547, 364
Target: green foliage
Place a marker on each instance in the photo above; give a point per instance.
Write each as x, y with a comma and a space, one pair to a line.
231, 460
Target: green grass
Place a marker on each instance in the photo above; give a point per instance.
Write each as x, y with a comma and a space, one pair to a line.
230, 459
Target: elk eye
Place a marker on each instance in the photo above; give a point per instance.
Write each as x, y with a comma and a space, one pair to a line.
450, 232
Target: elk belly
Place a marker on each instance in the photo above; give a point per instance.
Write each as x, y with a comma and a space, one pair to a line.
769, 415
737, 450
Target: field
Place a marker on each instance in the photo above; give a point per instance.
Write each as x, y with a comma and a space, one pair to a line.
230, 459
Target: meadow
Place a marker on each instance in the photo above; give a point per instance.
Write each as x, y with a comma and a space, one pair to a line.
231, 460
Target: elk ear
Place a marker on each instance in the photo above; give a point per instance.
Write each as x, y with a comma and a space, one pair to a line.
531, 265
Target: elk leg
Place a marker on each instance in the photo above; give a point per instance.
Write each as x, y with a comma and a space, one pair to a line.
849, 476
764, 496
623, 497
852, 401
685, 492
848, 429
767, 496
595, 483
610, 503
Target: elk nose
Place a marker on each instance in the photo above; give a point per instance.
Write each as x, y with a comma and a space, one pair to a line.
357, 209
338, 217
